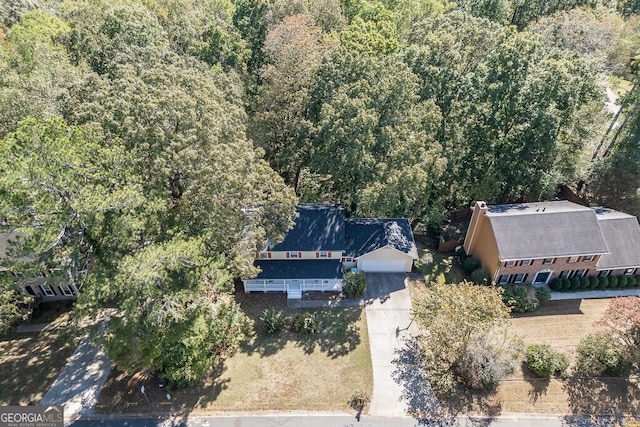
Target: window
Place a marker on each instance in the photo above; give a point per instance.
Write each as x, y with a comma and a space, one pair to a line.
66, 290
526, 262
629, 271
347, 259
565, 274
548, 261
579, 273
321, 254
604, 273
573, 259
510, 264
46, 289
504, 279
588, 258
264, 255
519, 278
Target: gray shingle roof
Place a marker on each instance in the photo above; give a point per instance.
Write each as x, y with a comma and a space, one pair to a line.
545, 230
364, 235
318, 227
299, 269
622, 234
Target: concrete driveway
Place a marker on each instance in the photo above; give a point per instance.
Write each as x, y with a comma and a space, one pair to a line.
388, 308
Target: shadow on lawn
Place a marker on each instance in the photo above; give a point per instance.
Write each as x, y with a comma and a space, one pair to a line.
122, 394
338, 335
431, 409
31, 362
607, 398
539, 385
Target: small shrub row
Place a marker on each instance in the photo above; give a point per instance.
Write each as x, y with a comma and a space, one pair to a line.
544, 361
524, 298
307, 322
354, 284
593, 282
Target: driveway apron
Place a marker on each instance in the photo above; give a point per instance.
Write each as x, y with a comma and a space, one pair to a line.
388, 308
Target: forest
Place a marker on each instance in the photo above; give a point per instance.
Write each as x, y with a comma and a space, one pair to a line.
151, 146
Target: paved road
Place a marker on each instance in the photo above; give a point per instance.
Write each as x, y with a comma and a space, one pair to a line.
328, 420
388, 308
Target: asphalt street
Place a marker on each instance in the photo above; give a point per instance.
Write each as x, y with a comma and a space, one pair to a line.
343, 421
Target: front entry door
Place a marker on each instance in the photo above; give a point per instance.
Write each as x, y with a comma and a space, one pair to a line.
542, 278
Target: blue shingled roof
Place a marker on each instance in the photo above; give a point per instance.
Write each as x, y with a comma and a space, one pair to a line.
364, 235
299, 269
318, 227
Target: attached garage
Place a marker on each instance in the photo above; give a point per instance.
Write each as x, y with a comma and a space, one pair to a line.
385, 260
381, 245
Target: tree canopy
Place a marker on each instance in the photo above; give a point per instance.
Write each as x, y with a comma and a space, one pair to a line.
152, 146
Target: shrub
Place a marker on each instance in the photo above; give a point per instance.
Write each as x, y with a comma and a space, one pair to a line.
613, 282
597, 355
584, 283
460, 252
359, 400
544, 361
637, 281
604, 282
306, 323
593, 282
566, 284
575, 283
520, 298
272, 320
480, 277
543, 295
485, 364
623, 281
470, 264
354, 284
632, 282
555, 284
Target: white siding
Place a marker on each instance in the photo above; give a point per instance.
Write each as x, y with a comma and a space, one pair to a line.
385, 260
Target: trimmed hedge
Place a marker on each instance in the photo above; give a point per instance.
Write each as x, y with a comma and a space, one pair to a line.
594, 282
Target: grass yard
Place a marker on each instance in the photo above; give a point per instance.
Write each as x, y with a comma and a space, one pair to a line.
562, 324
31, 362
287, 371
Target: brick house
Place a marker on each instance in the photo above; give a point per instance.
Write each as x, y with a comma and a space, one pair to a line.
537, 242
47, 286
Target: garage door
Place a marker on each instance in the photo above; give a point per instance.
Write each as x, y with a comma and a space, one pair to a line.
383, 265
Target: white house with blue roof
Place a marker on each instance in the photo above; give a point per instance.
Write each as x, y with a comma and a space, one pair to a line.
322, 244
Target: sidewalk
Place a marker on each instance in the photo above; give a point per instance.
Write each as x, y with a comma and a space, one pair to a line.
78, 385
